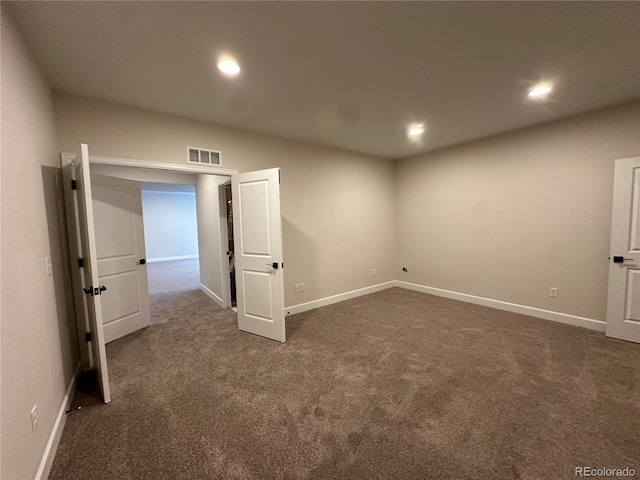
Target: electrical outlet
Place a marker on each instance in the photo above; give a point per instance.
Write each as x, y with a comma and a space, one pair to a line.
375, 272
34, 418
297, 288
553, 292
47, 264
302, 287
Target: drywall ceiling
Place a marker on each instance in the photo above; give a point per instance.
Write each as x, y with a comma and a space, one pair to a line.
345, 74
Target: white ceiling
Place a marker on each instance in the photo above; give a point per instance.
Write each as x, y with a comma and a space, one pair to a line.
344, 74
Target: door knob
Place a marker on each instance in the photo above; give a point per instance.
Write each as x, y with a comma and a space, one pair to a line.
142, 261
619, 259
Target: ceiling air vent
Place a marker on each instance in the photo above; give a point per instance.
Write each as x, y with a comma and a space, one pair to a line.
202, 156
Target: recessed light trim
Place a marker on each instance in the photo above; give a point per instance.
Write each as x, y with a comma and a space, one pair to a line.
415, 130
229, 67
540, 91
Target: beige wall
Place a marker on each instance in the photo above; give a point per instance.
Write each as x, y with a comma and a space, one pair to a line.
209, 238
38, 334
512, 215
337, 206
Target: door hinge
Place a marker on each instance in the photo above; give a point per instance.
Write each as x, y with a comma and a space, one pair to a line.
81, 262
279, 176
87, 336
74, 185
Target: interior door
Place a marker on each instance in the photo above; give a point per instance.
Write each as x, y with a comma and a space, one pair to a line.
623, 303
117, 206
92, 288
257, 229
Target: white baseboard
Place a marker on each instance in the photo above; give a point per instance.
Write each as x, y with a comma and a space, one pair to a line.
323, 302
169, 259
565, 318
58, 427
210, 293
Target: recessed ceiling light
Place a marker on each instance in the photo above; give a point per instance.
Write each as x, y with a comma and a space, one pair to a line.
415, 130
539, 91
229, 67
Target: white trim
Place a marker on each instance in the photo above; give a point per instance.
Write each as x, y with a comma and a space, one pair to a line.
127, 162
341, 297
211, 295
169, 259
54, 439
565, 318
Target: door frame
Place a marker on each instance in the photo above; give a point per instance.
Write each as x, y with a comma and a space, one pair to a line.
224, 243
75, 253
81, 319
173, 167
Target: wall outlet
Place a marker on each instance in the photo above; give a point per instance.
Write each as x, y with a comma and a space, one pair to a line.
302, 287
375, 272
34, 418
297, 288
553, 292
47, 264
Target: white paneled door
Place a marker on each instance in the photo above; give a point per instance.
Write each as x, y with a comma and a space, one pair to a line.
258, 249
122, 269
623, 303
79, 208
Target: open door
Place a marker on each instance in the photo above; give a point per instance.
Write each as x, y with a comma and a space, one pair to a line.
120, 253
80, 212
623, 299
259, 267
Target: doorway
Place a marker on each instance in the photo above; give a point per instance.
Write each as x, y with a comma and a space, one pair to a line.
180, 256
171, 240
258, 232
230, 251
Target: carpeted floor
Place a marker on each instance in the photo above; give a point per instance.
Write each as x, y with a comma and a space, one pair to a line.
173, 288
393, 385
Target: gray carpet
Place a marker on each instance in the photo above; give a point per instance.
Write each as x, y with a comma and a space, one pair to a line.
393, 385
173, 288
